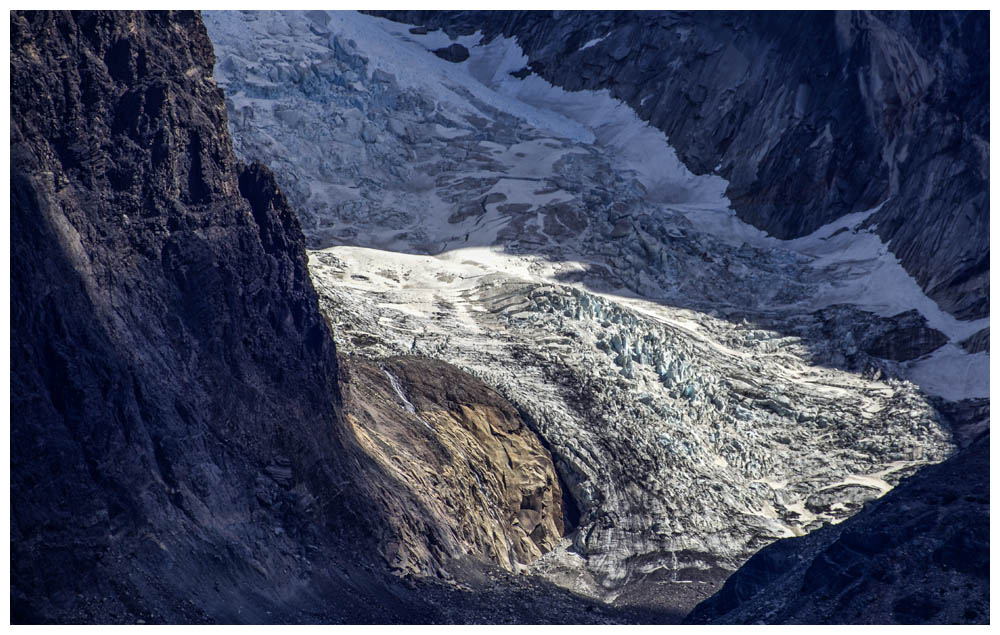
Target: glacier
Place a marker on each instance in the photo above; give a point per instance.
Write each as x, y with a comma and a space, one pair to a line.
705, 388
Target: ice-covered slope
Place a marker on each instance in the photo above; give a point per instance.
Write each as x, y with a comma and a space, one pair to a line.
704, 388
687, 443
809, 115
388, 146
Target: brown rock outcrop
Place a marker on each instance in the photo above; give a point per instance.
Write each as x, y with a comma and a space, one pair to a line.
485, 484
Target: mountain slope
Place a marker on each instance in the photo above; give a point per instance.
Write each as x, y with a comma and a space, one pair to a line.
703, 389
919, 555
165, 342
180, 450
808, 115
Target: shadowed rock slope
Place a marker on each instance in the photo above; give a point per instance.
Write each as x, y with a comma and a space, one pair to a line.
177, 445
919, 555
809, 115
165, 345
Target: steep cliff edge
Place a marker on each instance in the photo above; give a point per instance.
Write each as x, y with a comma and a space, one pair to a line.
808, 115
178, 452
165, 343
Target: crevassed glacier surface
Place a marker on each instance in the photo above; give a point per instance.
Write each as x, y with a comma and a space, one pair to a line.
705, 388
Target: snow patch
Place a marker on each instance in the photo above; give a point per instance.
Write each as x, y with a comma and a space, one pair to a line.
866, 274
584, 116
611, 122
596, 40
953, 373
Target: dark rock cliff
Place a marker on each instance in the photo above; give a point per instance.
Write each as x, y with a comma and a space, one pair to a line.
918, 555
166, 347
179, 451
808, 115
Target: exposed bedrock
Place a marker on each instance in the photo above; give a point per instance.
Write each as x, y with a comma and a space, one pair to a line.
978, 342
453, 53
486, 487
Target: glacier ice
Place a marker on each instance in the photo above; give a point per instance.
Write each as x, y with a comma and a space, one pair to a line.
522, 233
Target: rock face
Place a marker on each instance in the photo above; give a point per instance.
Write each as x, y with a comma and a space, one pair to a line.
809, 116
453, 53
165, 343
919, 555
899, 338
979, 341
178, 452
478, 477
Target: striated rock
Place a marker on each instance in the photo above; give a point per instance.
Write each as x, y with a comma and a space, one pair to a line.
898, 338
978, 342
968, 418
479, 480
918, 555
905, 343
